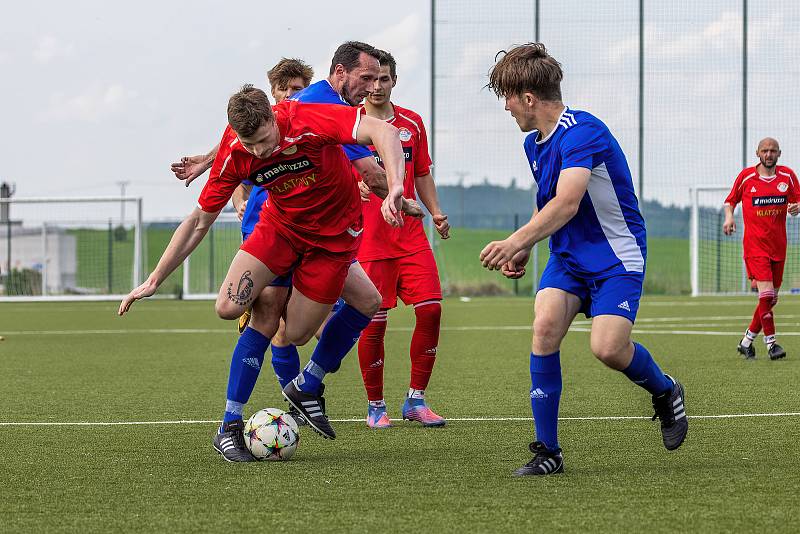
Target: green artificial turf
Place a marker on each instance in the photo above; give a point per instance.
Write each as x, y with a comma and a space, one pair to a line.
78, 362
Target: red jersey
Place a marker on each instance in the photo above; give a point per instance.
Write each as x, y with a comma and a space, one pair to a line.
764, 203
382, 241
312, 193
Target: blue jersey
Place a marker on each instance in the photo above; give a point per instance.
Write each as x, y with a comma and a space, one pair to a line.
607, 236
320, 92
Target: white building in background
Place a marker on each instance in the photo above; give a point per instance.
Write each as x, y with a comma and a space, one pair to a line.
53, 254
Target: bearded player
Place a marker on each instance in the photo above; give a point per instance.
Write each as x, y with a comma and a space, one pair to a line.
767, 191
400, 263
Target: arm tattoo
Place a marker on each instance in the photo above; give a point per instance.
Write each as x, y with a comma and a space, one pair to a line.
244, 291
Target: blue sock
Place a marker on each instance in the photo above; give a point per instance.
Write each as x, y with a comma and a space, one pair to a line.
286, 363
645, 372
245, 366
545, 396
338, 337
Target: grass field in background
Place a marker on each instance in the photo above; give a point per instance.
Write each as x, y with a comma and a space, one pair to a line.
459, 268
78, 362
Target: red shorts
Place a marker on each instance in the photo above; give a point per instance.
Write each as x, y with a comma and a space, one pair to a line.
763, 269
413, 278
316, 273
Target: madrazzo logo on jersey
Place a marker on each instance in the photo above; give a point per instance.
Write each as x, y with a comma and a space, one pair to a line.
774, 200
269, 174
408, 155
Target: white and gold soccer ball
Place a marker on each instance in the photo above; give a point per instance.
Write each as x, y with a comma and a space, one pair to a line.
271, 434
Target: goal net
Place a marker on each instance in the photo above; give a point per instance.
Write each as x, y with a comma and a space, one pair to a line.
69, 248
717, 267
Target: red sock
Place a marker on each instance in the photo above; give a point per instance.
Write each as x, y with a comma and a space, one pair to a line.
424, 342
765, 299
370, 355
755, 324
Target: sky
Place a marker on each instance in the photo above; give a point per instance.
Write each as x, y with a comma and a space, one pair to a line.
94, 93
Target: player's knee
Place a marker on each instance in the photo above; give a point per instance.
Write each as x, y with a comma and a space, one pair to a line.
227, 310
609, 353
297, 336
547, 332
369, 304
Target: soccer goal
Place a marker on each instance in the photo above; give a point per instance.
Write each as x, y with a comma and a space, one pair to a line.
69, 248
205, 269
717, 267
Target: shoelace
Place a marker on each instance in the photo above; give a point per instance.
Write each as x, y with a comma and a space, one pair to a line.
663, 411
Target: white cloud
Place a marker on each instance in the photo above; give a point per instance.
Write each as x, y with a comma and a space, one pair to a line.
50, 48
94, 104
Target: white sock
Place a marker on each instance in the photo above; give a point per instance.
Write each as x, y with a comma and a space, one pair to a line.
416, 393
378, 403
748, 338
769, 340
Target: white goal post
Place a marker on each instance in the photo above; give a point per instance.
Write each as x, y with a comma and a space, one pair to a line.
70, 248
716, 263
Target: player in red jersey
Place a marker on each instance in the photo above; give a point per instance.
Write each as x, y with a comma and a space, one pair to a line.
311, 227
400, 263
766, 191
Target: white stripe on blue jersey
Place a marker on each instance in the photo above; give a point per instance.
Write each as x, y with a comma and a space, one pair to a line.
607, 236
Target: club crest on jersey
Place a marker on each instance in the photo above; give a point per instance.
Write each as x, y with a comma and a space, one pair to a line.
269, 174
289, 151
782, 187
405, 135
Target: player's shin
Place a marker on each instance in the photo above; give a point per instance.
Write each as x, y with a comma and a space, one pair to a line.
245, 366
424, 343
285, 363
338, 337
370, 356
545, 397
645, 372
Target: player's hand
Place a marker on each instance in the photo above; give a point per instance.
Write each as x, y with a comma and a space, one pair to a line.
240, 210
391, 209
515, 268
145, 290
442, 226
190, 167
412, 208
794, 209
364, 190
728, 227
497, 253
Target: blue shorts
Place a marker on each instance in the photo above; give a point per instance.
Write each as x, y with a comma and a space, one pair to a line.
280, 281
616, 295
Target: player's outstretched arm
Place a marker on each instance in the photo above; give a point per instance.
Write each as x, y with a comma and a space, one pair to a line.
187, 236
374, 180
729, 226
386, 139
572, 184
190, 167
426, 190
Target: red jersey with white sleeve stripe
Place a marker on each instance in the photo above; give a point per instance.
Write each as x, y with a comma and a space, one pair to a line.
382, 241
313, 196
765, 200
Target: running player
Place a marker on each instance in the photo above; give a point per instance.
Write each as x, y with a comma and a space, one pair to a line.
311, 227
767, 191
587, 206
400, 263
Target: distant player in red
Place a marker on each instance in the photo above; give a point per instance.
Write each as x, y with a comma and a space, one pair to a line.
766, 191
311, 226
400, 263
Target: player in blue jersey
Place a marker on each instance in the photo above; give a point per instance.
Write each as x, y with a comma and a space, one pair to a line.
587, 206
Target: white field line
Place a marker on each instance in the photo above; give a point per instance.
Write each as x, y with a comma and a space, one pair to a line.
361, 420
583, 327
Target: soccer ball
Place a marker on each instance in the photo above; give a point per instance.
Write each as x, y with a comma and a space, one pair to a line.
271, 434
